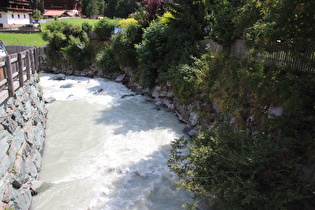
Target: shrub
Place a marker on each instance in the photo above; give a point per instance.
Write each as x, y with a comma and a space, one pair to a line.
105, 27
242, 171
80, 54
86, 27
151, 53
106, 60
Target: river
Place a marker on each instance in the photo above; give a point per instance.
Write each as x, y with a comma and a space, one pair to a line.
105, 151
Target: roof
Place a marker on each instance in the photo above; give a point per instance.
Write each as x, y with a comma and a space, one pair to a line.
71, 14
54, 12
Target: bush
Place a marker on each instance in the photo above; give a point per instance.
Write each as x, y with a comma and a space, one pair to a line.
105, 27
80, 54
242, 171
106, 60
151, 53
123, 43
69, 43
86, 27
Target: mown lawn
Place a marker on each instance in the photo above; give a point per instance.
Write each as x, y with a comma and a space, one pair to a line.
22, 39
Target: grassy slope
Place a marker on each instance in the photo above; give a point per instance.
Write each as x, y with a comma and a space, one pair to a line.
36, 39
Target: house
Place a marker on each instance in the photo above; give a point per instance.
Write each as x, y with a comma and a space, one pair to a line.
69, 5
14, 13
57, 13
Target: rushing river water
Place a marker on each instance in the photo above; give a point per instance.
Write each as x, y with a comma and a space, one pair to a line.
104, 151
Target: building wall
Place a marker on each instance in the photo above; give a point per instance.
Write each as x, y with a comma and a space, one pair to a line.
62, 5
11, 19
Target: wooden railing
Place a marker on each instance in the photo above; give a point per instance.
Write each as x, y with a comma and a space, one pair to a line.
279, 58
16, 68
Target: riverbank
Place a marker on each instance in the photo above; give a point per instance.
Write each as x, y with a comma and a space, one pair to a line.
22, 139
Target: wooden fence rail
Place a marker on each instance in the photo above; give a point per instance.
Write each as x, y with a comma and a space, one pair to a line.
15, 69
279, 58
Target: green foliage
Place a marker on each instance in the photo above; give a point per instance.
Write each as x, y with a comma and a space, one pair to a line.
282, 25
189, 19
123, 43
270, 167
87, 27
68, 43
37, 15
93, 7
151, 52
241, 171
105, 27
120, 8
79, 52
221, 15
106, 60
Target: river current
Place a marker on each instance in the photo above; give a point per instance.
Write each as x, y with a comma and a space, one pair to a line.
105, 151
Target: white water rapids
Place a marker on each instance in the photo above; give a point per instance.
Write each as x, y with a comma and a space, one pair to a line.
106, 152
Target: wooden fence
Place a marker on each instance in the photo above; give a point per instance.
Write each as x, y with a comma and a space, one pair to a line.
280, 58
16, 68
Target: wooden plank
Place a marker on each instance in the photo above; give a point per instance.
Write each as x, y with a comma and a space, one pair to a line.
21, 79
2, 63
3, 82
9, 76
28, 68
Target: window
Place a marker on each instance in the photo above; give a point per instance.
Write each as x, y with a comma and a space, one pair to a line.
12, 15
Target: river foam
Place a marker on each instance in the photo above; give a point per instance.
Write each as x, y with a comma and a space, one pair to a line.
105, 151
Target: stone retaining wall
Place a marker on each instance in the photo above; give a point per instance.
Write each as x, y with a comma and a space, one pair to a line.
22, 137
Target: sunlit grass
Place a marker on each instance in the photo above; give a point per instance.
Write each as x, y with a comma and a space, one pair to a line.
23, 39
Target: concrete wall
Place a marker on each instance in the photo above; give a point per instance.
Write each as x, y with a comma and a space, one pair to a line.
22, 137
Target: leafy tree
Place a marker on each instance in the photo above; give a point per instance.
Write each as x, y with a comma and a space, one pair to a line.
120, 8
220, 16
93, 7
37, 15
282, 25
154, 8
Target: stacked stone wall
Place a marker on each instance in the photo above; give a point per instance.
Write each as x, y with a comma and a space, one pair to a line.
22, 136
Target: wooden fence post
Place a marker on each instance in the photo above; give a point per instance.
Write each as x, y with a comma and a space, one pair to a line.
32, 60
36, 56
20, 66
28, 65
9, 75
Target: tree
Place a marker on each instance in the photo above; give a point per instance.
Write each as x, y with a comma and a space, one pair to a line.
120, 8
286, 25
93, 7
221, 15
37, 15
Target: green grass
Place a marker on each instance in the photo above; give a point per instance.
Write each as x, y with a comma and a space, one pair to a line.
36, 39
22, 39
73, 22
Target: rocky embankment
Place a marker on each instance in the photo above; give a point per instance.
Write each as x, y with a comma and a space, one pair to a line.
22, 137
